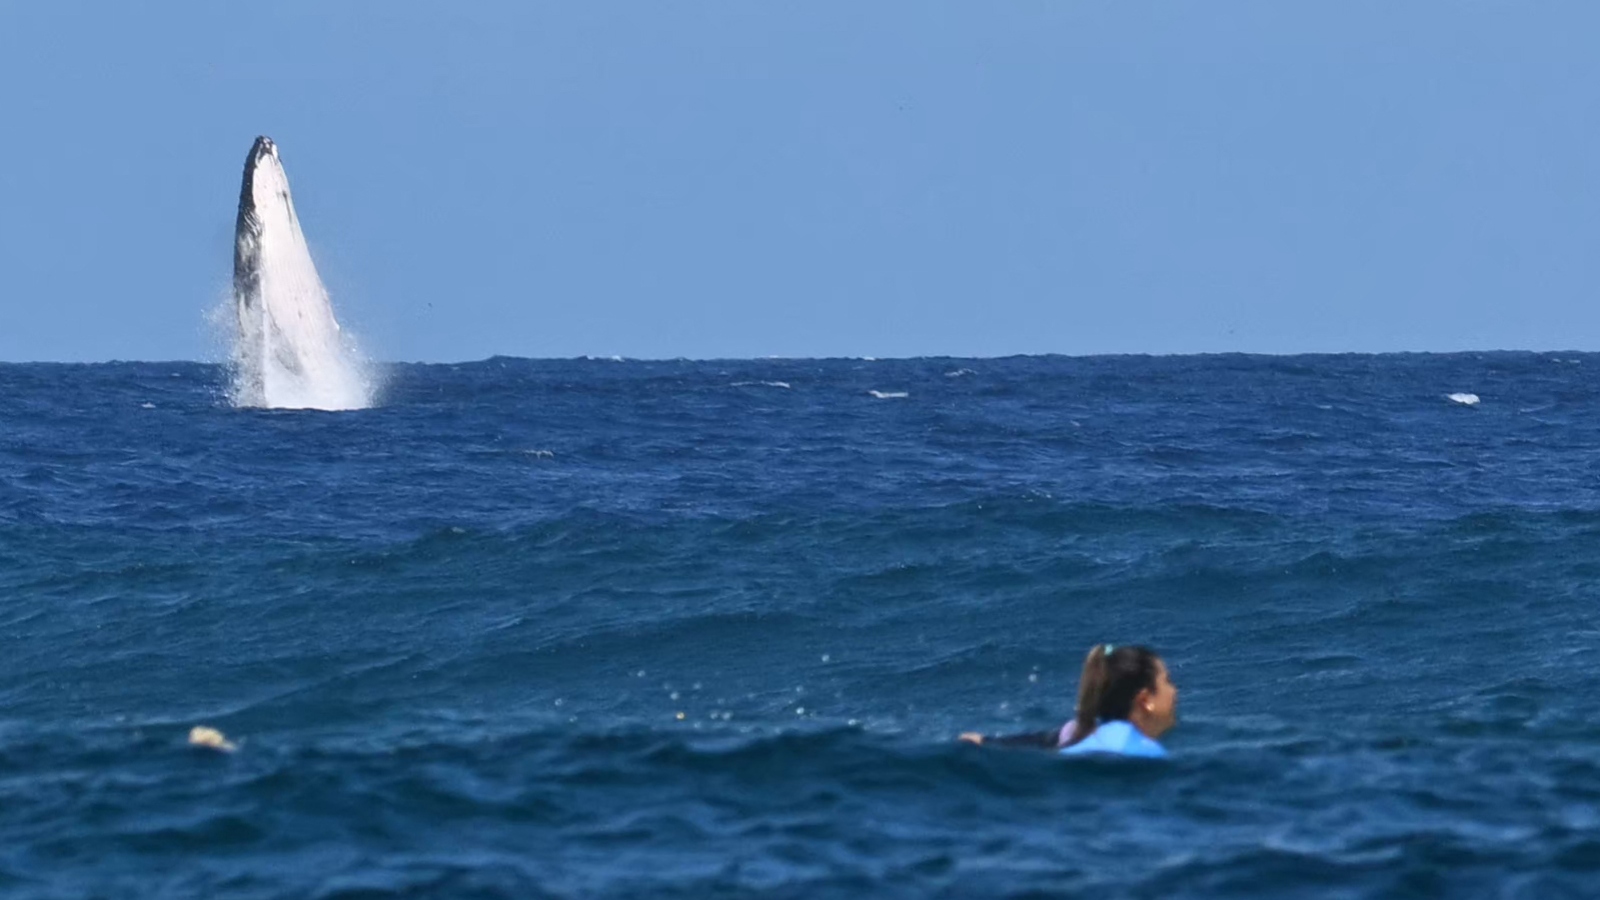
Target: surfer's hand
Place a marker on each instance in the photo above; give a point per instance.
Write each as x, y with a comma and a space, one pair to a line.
971, 737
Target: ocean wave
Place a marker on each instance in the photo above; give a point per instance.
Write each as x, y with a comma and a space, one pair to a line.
578, 628
878, 806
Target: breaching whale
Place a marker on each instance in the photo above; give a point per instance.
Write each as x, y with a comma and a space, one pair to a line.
289, 351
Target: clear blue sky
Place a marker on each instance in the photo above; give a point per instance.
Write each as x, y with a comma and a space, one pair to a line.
814, 179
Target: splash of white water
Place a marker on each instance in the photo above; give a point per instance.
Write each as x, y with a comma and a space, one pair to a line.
289, 351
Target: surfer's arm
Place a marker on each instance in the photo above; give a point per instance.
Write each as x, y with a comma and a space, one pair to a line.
1043, 740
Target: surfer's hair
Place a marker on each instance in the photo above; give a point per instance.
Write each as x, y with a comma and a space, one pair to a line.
1112, 679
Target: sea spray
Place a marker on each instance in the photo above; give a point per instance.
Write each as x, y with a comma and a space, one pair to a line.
289, 351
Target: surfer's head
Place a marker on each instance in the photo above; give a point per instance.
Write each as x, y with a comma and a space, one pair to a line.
1125, 683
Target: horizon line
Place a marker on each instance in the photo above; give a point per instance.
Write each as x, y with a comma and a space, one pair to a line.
853, 358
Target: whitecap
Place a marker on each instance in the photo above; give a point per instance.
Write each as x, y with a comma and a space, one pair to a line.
959, 372
1464, 399
776, 384
889, 395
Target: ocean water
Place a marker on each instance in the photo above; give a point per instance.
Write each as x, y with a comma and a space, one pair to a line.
591, 628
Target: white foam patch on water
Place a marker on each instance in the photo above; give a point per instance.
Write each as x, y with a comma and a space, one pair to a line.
776, 384
289, 351
1463, 398
889, 395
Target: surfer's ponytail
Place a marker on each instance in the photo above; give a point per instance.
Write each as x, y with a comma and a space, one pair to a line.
1112, 679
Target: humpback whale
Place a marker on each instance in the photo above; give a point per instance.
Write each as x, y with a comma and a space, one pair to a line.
289, 351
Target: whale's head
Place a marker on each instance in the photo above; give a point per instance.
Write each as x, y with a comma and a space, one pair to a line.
263, 200
265, 186
263, 147
263, 155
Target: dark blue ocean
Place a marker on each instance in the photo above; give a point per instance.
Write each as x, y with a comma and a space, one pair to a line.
593, 628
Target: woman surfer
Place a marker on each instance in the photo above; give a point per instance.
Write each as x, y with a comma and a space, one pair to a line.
1125, 701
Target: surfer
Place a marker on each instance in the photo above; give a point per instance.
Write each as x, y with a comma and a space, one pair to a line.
1126, 700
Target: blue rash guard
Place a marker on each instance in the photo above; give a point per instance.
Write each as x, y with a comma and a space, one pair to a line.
1117, 738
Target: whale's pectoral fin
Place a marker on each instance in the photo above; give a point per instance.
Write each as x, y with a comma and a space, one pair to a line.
284, 352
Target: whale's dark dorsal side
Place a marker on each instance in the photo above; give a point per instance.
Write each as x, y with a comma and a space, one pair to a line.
249, 347
247, 229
